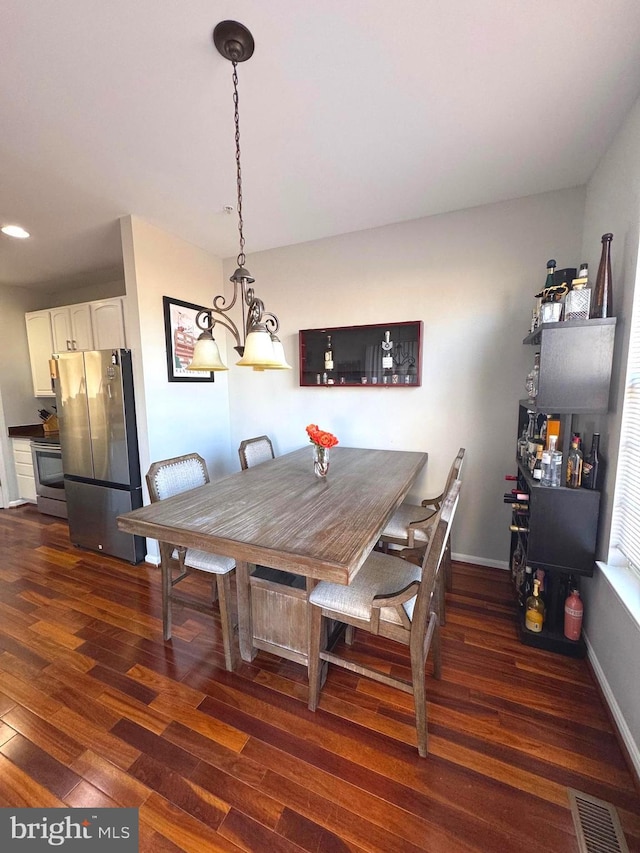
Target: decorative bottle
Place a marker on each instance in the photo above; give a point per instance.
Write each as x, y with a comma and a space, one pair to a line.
387, 359
573, 612
328, 362
578, 300
535, 610
602, 300
591, 464
574, 466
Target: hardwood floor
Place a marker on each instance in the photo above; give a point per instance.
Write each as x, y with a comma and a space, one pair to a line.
95, 710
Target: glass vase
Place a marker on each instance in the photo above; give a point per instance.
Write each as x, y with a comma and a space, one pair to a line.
320, 460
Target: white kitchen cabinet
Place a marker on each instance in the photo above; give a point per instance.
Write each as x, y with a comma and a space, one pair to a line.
107, 318
40, 340
84, 326
24, 469
71, 326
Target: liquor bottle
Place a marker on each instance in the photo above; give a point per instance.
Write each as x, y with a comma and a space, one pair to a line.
573, 612
577, 302
537, 465
535, 610
602, 300
551, 268
328, 362
556, 468
387, 359
591, 464
547, 462
574, 466
527, 587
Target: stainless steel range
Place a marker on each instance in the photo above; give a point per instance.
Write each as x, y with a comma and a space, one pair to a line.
47, 468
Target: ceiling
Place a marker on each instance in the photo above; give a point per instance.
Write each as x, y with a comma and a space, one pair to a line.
353, 114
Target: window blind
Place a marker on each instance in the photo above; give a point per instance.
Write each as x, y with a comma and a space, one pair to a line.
625, 522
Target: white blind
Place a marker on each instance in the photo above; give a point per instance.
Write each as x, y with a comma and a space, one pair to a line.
625, 522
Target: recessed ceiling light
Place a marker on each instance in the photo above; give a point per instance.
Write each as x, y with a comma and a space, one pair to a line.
15, 231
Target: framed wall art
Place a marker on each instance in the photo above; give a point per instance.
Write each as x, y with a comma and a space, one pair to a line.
181, 335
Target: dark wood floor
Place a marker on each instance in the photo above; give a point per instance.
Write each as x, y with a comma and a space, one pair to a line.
95, 710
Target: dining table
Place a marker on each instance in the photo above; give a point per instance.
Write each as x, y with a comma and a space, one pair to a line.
281, 516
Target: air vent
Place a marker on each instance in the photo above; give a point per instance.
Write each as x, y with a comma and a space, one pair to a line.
597, 824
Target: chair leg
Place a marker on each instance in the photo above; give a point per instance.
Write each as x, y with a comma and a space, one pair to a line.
313, 666
420, 701
165, 575
350, 634
223, 584
436, 648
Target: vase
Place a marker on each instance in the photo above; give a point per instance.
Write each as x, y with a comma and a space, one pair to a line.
320, 460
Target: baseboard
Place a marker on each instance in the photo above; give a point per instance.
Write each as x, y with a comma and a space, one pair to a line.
631, 747
19, 502
481, 561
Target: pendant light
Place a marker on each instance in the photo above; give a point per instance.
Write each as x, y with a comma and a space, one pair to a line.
261, 348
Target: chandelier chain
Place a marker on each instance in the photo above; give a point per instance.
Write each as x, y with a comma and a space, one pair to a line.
236, 118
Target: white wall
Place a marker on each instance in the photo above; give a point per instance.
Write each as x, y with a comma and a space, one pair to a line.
173, 417
613, 204
17, 404
471, 277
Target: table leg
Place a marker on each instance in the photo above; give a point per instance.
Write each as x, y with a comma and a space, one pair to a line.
245, 628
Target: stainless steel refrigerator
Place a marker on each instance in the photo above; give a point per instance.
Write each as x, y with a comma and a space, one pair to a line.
96, 413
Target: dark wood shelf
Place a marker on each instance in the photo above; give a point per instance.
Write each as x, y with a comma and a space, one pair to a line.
551, 641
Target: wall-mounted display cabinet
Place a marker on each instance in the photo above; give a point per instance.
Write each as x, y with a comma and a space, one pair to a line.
376, 356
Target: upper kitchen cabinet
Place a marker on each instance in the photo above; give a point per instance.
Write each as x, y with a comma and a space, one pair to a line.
107, 319
71, 326
40, 340
85, 326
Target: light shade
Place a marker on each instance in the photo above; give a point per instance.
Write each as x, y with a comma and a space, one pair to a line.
258, 349
206, 355
278, 353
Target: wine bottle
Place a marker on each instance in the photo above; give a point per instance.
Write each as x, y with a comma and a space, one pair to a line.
527, 587
574, 465
573, 612
602, 300
591, 464
328, 362
515, 528
535, 610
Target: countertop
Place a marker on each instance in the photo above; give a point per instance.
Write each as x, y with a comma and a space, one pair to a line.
30, 431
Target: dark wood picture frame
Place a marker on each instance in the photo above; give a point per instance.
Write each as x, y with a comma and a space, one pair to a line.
181, 334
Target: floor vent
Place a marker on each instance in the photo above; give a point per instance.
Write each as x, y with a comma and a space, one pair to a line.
597, 824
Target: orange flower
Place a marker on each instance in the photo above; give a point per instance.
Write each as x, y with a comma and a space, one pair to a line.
320, 437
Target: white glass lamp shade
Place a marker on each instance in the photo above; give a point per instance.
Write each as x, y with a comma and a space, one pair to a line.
280, 357
258, 349
206, 355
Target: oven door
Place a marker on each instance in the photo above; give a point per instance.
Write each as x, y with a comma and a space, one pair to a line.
47, 469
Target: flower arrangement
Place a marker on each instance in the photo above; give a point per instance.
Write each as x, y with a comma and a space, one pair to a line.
321, 438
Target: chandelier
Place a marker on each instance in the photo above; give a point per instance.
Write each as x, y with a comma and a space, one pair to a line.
261, 348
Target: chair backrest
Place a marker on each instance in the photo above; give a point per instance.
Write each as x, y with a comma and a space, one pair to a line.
432, 561
454, 471
253, 451
178, 474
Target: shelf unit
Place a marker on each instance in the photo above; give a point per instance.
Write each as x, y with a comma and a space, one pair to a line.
575, 372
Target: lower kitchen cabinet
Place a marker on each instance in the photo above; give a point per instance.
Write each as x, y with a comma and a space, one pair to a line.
24, 469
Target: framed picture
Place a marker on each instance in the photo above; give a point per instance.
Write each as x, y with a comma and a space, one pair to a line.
181, 335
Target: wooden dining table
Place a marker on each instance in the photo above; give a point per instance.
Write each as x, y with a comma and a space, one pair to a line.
280, 515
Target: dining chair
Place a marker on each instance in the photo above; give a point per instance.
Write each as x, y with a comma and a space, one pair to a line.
168, 478
390, 598
253, 451
411, 524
